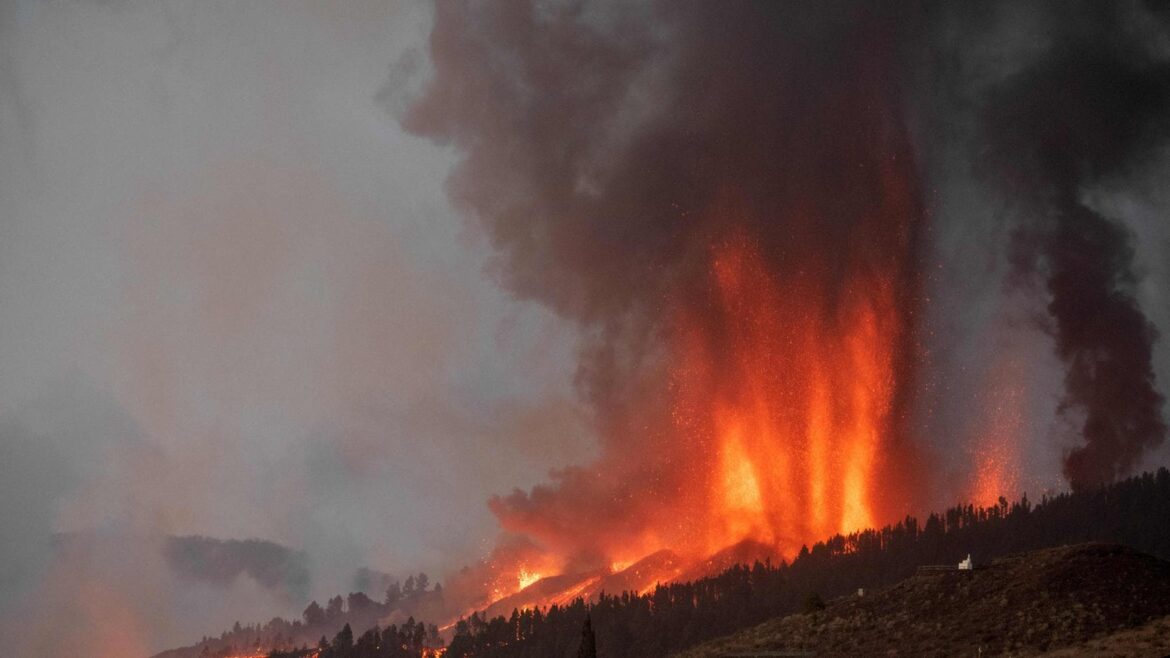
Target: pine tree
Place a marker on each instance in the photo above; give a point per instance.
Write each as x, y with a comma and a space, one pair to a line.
588, 641
393, 593
343, 641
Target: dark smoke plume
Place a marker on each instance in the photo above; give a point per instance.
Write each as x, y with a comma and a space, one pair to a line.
610, 148
1092, 109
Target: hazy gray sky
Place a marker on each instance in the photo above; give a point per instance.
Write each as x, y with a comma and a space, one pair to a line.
236, 301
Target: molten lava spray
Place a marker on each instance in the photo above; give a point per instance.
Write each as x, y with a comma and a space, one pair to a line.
793, 398
996, 449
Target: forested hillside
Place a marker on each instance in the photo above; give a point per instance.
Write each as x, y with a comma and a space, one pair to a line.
1134, 512
671, 617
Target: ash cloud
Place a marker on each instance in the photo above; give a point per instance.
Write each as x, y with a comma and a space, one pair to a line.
1091, 110
608, 149
237, 304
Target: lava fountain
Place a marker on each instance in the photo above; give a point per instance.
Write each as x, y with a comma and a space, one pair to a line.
794, 383
745, 266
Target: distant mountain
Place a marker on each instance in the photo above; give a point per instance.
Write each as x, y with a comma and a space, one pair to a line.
221, 561
1025, 604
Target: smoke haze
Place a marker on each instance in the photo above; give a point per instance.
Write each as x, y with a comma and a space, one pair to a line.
237, 305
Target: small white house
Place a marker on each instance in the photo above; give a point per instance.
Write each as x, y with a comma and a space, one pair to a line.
966, 565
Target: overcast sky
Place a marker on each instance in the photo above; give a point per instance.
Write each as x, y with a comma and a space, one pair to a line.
237, 303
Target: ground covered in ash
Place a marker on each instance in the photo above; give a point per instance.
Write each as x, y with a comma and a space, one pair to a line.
1066, 601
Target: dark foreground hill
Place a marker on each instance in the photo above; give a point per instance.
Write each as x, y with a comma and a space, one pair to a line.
1021, 605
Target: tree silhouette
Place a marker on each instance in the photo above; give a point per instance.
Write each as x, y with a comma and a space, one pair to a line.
588, 640
343, 642
314, 615
393, 593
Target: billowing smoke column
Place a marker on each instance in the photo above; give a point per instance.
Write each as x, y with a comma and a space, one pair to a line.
724, 197
1091, 110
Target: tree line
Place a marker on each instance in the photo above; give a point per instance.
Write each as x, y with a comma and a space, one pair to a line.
410, 640
411, 598
1135, 512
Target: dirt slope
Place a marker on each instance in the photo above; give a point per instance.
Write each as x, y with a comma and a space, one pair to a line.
1021, 605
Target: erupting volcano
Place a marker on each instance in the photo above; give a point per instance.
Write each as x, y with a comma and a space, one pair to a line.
727, 200
745, 266
553, 298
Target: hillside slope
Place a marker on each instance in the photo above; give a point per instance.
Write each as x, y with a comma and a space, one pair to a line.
1025, 604
1149, 641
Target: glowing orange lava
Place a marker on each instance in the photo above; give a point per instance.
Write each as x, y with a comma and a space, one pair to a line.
799, 393
526, 578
